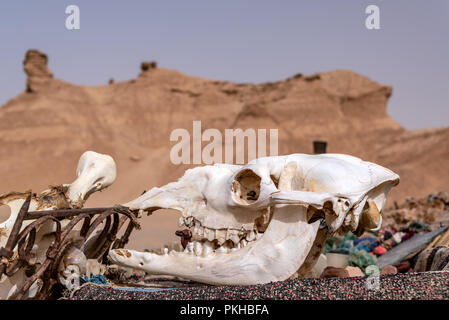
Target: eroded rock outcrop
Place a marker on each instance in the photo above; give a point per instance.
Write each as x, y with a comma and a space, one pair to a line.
36, 69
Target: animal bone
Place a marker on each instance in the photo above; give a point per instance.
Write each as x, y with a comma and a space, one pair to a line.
282, 200
71, 268
95, 172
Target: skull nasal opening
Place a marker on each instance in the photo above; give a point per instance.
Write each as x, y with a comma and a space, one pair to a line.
246, 187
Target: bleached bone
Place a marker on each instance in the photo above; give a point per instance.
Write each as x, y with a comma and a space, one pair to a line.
71, 268
95, 172
268, 211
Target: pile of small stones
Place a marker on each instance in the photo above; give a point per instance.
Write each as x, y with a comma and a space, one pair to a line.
426, 285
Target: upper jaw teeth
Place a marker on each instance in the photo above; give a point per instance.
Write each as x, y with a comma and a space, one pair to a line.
251, 235
208, 241
189, 248
189, 221
220, 235
208, 248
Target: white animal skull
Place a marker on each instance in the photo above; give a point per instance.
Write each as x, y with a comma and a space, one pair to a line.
261, 222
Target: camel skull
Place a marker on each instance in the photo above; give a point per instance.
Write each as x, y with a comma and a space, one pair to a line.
263, 221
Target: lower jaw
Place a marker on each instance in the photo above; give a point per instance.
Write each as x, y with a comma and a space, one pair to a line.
274, 257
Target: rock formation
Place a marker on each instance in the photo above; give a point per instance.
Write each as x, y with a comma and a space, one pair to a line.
35, 67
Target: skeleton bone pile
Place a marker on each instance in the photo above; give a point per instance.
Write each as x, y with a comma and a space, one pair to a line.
95, 172
264, 221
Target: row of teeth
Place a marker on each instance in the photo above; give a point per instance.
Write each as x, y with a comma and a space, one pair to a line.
220, 235
208, 248
204, 248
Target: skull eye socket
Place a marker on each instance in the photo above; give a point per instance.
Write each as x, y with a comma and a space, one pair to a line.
246, 187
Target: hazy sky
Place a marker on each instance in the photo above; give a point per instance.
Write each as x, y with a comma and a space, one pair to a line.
242, 41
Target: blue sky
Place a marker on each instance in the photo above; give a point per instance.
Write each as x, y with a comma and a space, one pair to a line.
242, 41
